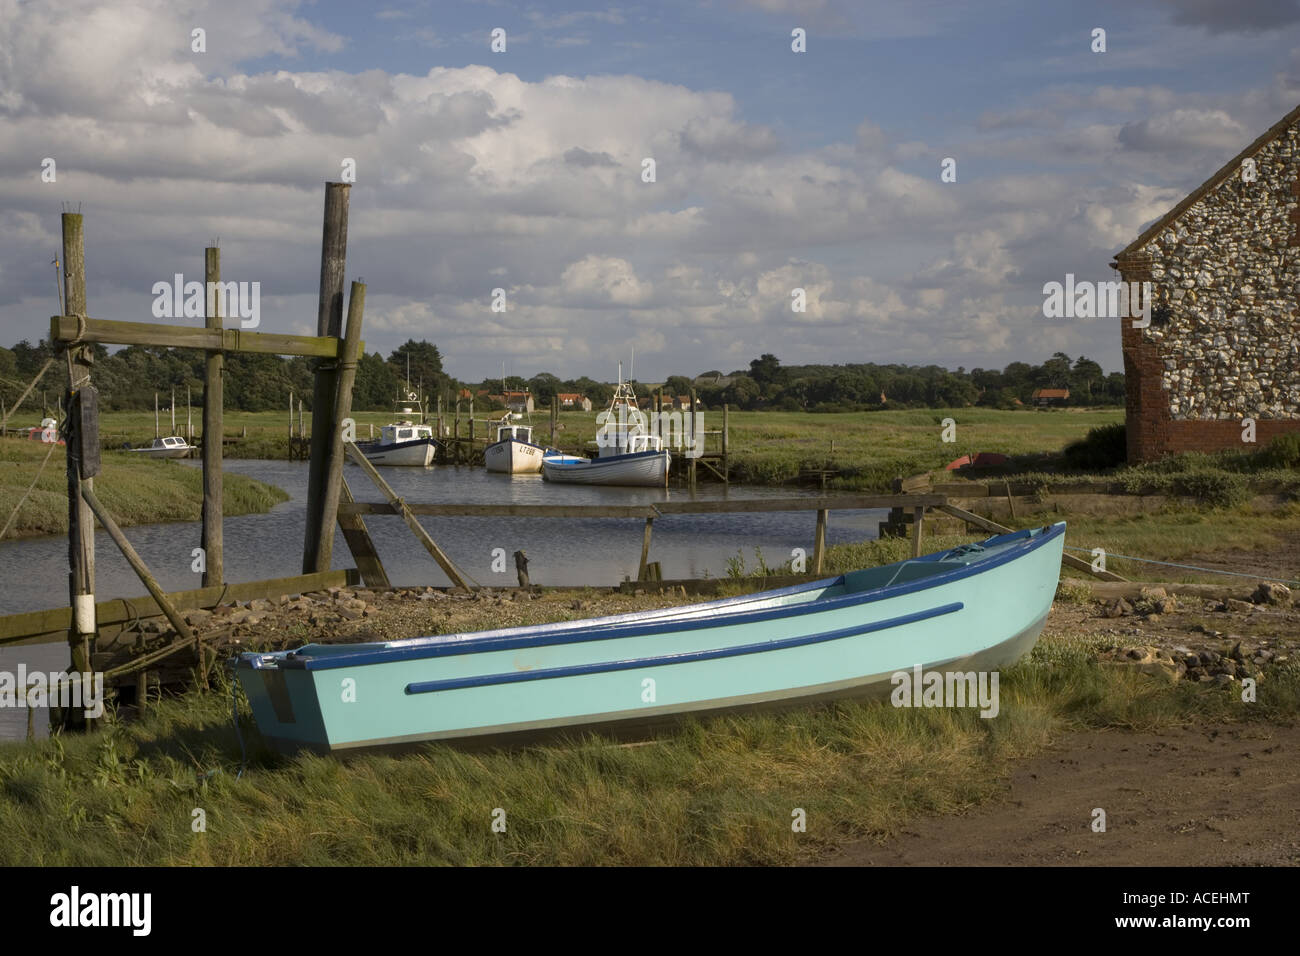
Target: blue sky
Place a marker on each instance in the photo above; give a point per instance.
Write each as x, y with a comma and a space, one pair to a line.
520, 170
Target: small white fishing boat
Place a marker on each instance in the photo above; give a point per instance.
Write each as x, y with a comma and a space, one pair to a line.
172, 446
514, 452
626, 452
402, 443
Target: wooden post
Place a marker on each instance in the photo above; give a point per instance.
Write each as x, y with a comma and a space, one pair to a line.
213, 432
690, 468
81, 525
291, 424
521, 568
555, 415
302, 423
156, 424
442, 433
645, 548
918, 519
189, 416
819, 541
726, 445
329, 322
173, 409
347, 373
444, 562
1011, 502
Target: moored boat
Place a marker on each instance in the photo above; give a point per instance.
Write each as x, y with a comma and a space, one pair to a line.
401, 443
173, 446
514, 452
972, 608
626, 453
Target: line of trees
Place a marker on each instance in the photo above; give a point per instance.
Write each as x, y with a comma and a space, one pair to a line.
768, 384
129, 378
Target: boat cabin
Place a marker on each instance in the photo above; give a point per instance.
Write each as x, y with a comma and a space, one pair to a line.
629, 440
522, 433
169, 443
404, 431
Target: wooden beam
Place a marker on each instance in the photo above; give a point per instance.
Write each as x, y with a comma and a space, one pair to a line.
819, 541
333, 471
63, 329
360, 543
35, 627
448, 566
502, 510
213, 424
329, 322
645, 548
151, 584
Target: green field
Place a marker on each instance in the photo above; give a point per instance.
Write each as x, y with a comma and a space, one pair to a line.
134, 490
867, 449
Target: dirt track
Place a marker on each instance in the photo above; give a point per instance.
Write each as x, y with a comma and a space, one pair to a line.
1183, 797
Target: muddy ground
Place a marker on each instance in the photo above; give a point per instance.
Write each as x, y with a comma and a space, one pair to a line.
1193, 796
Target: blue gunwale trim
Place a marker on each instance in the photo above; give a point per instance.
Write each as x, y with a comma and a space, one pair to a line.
377, 445
686, 657
1024, 543
600, 460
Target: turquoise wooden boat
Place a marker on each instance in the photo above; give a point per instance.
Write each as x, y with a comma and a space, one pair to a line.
973, 608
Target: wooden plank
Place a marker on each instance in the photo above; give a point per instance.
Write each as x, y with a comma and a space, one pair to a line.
1068, 560
819, 541
33, 627
486, 511
645, 548
444, 562
333, 471
659, 508
151, 584
63, 329
329, 322
360, 543
212, 537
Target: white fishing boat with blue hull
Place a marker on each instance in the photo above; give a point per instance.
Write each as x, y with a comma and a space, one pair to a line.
977, 607
627, 454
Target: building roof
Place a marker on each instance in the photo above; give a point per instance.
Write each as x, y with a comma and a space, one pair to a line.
1231, 167
568, 396
1051, 393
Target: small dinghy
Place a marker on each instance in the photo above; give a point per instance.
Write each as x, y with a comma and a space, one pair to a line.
172, 446
977, 607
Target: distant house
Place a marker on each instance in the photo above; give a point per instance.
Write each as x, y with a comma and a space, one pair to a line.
684, 402
572, 401
1050, 396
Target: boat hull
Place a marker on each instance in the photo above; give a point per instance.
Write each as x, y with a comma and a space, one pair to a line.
839, 638
182, 452
640, 469
514, 457
417, 453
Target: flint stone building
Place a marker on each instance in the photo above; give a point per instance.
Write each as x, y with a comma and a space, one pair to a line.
1224, 340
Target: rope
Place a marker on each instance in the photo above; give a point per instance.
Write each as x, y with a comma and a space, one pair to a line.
234, 713
1189, 567
39, 471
